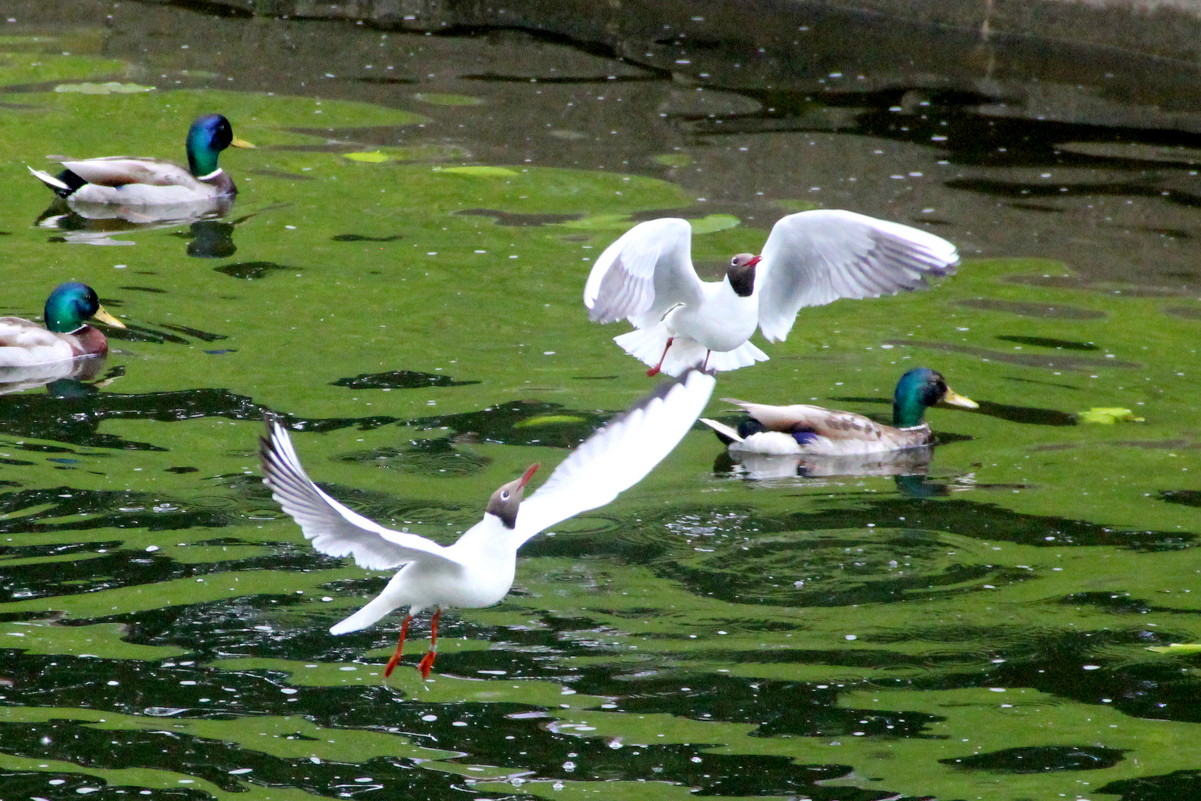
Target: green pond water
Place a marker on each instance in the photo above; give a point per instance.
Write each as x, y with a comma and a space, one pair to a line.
409, 300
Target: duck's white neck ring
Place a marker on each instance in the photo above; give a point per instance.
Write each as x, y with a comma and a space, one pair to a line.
211, 175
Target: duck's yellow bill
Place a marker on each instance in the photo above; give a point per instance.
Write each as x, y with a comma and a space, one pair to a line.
238, 142
953, 398
104, 317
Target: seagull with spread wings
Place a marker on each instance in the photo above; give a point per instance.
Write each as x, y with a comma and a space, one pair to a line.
810, 259
478, 569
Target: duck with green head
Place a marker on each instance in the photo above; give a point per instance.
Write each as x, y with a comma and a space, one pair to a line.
67, 334
152, 182
817, 431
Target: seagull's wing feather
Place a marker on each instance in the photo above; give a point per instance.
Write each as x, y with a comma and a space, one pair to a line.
816, 257
644, 273
619, 455
334, 529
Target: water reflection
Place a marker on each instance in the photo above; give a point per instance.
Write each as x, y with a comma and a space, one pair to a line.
759, 466
400, 379
211, 239
82, 223
74, 411
64, 378
251, 270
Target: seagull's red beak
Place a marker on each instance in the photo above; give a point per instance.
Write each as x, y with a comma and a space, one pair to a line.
753, 261
528, 474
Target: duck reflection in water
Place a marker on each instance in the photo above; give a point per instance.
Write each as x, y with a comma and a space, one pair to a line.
909, 469
100, 224
64, 379
760, 466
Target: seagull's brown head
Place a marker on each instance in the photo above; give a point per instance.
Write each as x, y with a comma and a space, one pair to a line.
507, 498
741, 273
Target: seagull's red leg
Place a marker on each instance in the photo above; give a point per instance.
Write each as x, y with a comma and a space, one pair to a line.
427, 661
404, 630
654, 371
705, 363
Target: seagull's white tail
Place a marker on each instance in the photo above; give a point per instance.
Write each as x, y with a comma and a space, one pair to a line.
394, 596
647, 344
744, 355
379, 606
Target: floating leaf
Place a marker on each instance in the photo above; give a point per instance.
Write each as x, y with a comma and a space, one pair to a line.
714, 223
1177, 648
620, 222
791, 205
600, 222
367, 157
673, 159
1108, 415
108, 88
433, 152
550, 420
481, 170
447, 100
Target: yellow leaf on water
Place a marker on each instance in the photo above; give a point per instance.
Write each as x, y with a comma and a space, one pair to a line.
673, 160
1177, 648
480, 170
437, 99
367, 157
600, 222
548, 420
1108, 415
714, 222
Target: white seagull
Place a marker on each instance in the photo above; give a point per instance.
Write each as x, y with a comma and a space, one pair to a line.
810, 259
478, 569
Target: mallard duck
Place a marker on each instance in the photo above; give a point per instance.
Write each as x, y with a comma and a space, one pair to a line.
815, 430
153, 182
66, 335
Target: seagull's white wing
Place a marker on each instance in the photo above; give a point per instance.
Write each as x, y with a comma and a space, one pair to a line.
643, 274
816, 257
619, 455
334, 529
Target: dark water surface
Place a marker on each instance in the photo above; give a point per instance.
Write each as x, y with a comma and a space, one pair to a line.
401, 277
